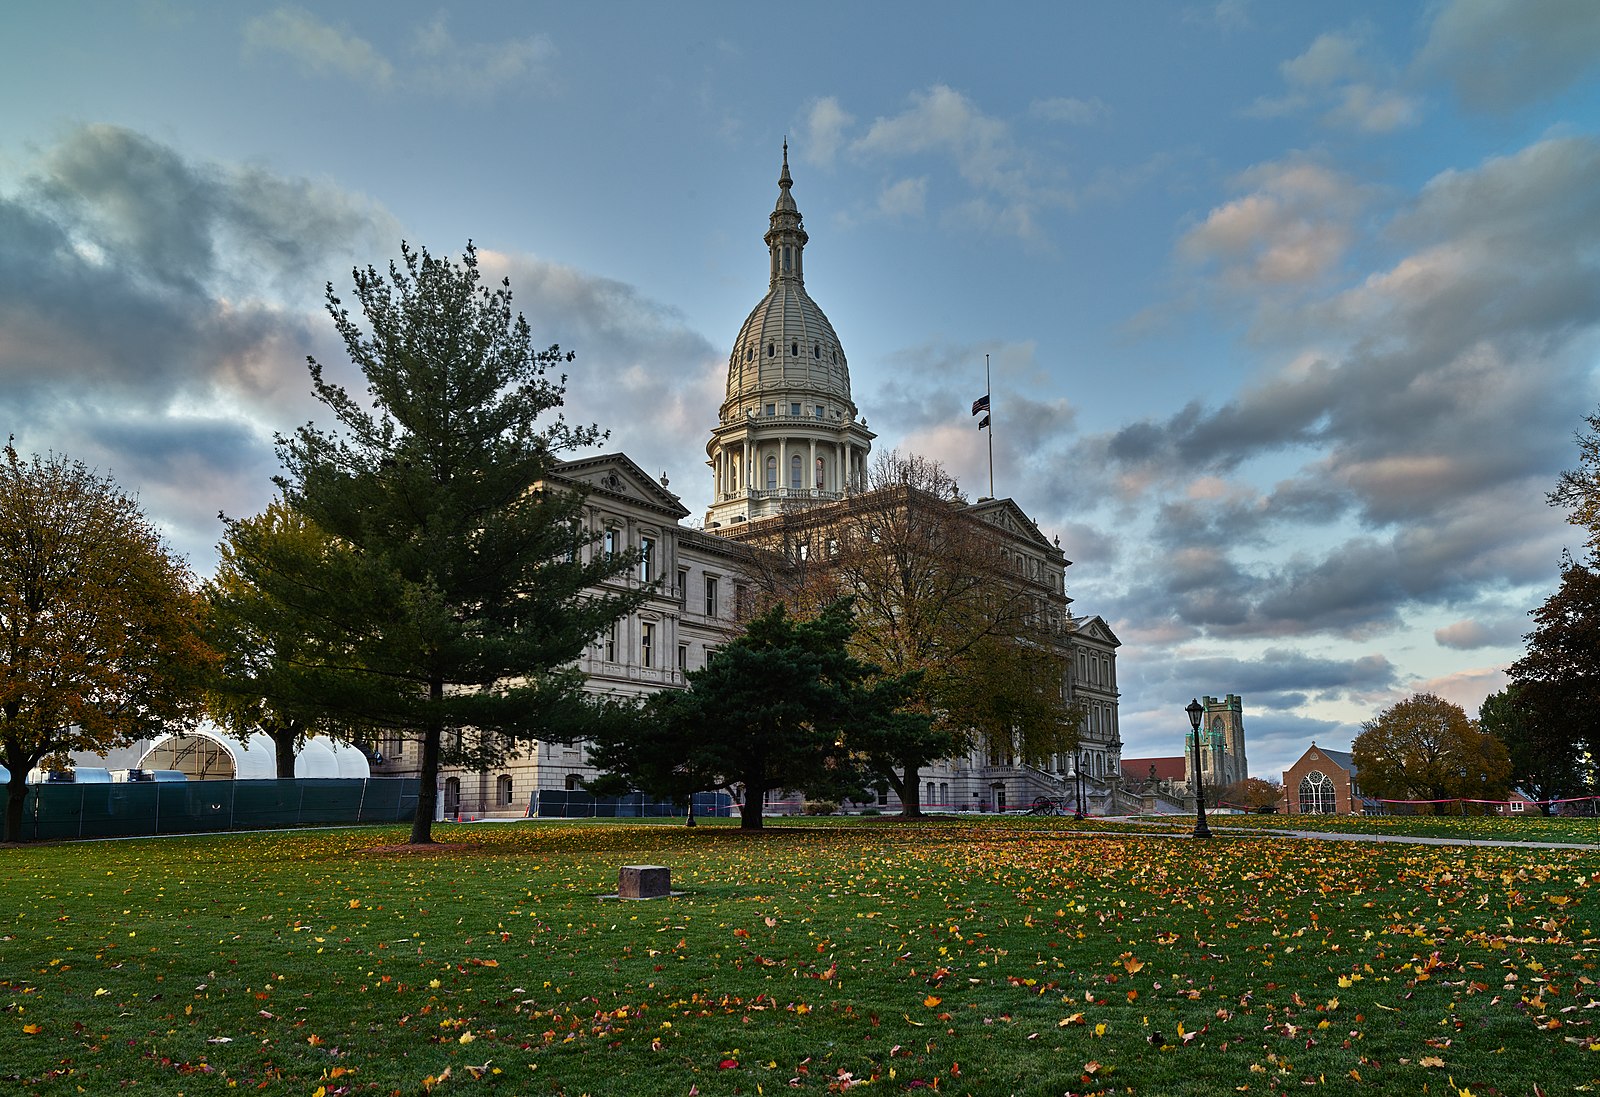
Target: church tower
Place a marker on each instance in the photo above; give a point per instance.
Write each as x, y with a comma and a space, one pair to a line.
1222, 759
787, 433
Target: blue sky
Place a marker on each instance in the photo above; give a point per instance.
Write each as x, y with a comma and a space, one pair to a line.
1292, 308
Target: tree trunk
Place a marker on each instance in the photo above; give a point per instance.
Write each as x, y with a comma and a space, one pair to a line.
750, 817
428, 793
16, 798
910, 790
283, 746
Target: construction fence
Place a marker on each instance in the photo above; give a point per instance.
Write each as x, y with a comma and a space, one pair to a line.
60, 811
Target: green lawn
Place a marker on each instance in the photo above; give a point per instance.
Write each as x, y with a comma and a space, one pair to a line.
1025, 956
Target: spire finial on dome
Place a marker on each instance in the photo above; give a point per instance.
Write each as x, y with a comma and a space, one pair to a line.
784, 179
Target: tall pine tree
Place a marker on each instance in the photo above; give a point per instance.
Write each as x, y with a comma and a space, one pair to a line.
463, 587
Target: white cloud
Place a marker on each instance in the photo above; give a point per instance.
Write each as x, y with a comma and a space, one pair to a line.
1008, 190
478, 69
1294, 227
319, 48
1074, 112
905, 198
825, 126
1501, 54
1337, 75
437, 64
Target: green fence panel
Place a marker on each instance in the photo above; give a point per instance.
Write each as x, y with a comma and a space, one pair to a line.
68, 811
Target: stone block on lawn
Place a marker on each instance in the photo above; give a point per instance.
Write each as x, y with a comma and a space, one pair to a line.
644, 881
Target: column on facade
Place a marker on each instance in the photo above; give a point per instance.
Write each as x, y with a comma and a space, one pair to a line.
810, 478
783, 464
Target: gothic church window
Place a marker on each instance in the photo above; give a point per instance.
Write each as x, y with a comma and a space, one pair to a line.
1316, 794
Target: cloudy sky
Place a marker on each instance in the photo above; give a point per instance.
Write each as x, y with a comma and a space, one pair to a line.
1293, 309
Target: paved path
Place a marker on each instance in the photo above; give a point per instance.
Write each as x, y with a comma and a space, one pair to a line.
1346, 836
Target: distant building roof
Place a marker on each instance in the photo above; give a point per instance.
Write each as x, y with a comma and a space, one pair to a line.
1342, 757
1166, 769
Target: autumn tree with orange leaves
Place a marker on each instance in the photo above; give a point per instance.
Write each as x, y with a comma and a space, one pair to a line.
100, 625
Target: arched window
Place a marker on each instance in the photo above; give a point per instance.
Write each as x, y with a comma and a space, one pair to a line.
794, 471
452, 796
1316, 794
503, 789
772, 349
794, 349
816, 350
749, 353
772, 473
819, 474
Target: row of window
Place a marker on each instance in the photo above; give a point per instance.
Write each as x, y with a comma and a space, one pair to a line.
794, 352
649, 646
1096, 669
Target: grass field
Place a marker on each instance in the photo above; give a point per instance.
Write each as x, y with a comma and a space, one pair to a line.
1029, 956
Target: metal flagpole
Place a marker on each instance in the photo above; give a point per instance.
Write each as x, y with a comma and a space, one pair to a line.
989, 414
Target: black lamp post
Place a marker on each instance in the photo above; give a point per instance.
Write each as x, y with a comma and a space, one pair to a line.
1200, 829
1077, 775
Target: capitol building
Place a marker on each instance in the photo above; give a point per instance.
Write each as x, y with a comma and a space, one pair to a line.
788, 449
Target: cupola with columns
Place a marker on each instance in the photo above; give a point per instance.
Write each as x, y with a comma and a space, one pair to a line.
787, 432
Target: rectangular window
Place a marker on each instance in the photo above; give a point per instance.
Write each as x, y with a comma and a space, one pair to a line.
711, 595
683, 582
819, 411
611, 643
683, 656
772, 409
647, 559
610, 542
794, 409
647, 643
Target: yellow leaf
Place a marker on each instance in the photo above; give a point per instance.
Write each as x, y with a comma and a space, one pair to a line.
930, 1001
1075, 1019
33, 1029
101, 992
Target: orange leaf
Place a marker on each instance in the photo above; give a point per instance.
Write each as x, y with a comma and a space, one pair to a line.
930, 1001
33, 1029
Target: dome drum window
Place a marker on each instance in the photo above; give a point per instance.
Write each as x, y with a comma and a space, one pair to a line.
772, 350
794, 350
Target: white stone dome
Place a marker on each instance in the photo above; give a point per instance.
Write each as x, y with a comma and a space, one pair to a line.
786, 350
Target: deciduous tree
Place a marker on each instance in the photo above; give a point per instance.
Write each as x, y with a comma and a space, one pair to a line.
263, 644
1578, 490
1252, 792
100, 625
464, 590
1426, 748
934, 595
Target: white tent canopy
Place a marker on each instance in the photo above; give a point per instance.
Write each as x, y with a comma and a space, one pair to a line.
207, 754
